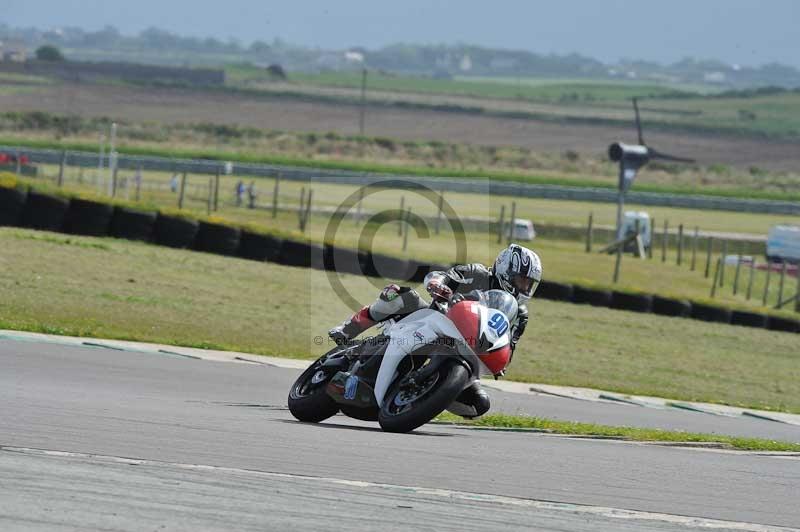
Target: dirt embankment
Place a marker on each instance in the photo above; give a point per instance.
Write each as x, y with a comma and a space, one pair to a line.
168, 105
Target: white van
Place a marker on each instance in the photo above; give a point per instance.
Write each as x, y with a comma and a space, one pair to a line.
523, 229
783, 243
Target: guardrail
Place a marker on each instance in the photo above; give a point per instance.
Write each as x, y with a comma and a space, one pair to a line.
475, 186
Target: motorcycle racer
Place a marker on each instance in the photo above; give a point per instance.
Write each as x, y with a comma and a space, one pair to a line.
517, 270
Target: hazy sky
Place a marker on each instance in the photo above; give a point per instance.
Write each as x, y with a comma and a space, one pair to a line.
748, 32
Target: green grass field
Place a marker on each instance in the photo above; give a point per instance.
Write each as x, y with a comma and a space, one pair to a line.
564, 260
116, 289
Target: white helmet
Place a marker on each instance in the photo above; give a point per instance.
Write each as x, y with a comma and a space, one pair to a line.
519, 272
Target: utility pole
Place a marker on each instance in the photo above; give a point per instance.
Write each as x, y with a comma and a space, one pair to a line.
363, 106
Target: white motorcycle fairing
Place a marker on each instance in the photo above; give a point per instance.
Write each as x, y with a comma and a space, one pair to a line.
418, 328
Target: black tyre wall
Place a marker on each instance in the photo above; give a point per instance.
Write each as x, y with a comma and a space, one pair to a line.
217, 238
590, 296
174, 231
554, 291
665, 306
44, 212
377, 265
294, 253
259, 247
86, 217
705, 312
774, 323
632, 302
133, 224
748, 319
344, 260
12, 203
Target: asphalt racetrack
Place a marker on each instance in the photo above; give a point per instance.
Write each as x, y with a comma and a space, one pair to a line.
98, 439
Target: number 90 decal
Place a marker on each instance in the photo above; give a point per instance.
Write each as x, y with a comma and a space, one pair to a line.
498, 323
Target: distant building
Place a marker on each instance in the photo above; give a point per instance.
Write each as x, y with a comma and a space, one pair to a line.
715, 77
353, 57
13, 53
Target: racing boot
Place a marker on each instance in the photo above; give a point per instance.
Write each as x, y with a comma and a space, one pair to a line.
359, 322
471, 403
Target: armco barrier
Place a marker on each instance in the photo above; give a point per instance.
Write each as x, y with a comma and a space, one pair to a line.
54, 213
476, 185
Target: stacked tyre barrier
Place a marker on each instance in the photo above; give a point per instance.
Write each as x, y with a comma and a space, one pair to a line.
35, 210
662, 306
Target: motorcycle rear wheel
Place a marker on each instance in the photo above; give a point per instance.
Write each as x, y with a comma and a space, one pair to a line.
404, 412
308, 400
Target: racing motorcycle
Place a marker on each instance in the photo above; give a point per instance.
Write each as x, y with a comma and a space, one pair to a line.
415, 369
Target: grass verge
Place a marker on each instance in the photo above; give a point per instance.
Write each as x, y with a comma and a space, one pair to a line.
623, 433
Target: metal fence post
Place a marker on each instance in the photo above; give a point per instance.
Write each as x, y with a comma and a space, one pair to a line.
275, 192
664, 237
511, 221
439, 211
652, 238
183, 190
780, 283
500, 222
405, 231
216, 191
589, 234
402, 213
736, 275
722, 268
301, 208
359, 205
61, 168
716, 274
694, 247
138, 183
766, 284
750, 281
680, 244
709, 250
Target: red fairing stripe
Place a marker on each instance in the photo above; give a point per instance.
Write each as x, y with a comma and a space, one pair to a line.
466, 318
497, 360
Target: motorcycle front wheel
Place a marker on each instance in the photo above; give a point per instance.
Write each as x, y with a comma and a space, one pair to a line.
308, 400
410, 404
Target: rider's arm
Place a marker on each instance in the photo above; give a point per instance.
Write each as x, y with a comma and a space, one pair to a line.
519, 329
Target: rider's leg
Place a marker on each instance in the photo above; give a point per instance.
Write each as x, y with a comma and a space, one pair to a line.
473, 402
393, 301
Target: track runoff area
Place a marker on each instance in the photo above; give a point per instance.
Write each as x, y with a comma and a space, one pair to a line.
123, 436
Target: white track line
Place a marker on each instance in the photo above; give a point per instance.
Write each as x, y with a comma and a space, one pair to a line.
599, 511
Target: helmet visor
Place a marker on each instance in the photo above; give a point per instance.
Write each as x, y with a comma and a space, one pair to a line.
524, 285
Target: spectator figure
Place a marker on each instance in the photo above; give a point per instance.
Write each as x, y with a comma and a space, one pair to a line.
251, 194
173, 183
239, 193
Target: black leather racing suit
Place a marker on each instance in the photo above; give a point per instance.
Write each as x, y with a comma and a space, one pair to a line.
464, 278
